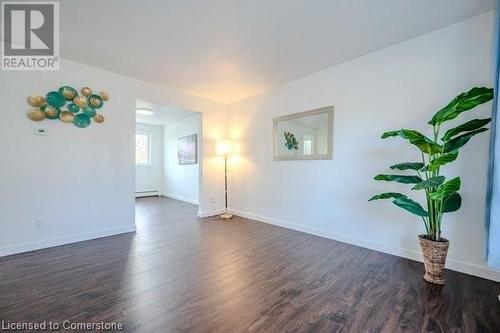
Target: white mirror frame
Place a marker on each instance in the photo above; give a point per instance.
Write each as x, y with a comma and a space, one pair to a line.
328, 156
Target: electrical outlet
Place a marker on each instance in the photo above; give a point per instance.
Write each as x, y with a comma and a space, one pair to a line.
38, 223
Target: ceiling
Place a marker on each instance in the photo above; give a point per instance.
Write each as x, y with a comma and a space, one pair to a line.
163, 114
226, 50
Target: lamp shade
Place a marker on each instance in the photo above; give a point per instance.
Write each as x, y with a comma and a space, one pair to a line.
224, 147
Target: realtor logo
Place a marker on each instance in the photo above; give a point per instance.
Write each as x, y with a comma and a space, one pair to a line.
30, 36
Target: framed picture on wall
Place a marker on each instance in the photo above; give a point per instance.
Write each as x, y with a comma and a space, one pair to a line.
304, 136
187, 149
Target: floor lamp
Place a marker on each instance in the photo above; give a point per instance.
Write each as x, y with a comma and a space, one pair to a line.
224, 148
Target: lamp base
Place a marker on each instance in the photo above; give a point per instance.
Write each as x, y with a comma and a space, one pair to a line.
226, 216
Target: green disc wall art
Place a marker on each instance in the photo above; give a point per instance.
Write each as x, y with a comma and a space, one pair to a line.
86, 91
95, 101
36, 114
89, 111
66, 117
72, 107
69, 106
81, 120
99, 118
51, 112
80, 101
68, 92
55, 99
36, 101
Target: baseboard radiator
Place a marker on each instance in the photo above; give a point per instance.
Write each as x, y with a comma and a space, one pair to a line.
147, 194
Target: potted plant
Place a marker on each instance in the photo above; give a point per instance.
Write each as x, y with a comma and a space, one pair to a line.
441, 194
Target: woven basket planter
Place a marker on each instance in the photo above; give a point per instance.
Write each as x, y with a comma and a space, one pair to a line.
434, 258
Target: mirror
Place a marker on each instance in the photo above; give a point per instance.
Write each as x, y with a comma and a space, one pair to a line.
304, 136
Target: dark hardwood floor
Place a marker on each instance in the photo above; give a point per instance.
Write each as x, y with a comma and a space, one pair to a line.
179, 273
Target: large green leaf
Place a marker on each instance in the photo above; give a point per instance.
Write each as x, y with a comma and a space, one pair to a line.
446, 189
463, 102
411, 206
431, 182
416, 138
441, 160
387, 195
461, 140
467, 127
400, 178
408, 166
452, 202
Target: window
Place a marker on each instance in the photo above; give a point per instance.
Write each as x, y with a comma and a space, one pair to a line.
142, 149
307, 144
307, 147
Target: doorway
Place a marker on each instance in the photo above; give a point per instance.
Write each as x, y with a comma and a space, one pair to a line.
168, 152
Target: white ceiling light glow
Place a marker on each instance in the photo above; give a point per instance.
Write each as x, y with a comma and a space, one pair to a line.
144, 111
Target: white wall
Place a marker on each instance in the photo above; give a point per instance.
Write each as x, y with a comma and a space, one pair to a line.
181, 181
81, 182
150, 177
400, 86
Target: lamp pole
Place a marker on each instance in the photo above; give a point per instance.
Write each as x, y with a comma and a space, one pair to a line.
226, 215
225, 180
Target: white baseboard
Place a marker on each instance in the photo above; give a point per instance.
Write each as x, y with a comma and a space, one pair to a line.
181, 198
26, 247
147, 194
210, 213
451, 264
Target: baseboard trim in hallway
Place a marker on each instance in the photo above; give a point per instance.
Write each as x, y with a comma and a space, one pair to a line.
27, 247
180, 198
451, 264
